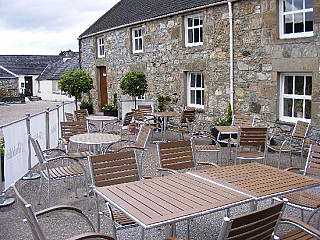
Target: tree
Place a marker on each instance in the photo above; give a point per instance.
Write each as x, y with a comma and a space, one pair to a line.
75, 82
134, 84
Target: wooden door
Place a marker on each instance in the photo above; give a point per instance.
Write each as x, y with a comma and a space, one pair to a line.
103, 87
28, 86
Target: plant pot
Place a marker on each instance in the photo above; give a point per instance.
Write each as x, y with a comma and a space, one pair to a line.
113, 113
89, 108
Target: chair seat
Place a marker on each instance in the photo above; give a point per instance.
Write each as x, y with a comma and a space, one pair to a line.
297, 234
304, 198
79, 154
249, 154
120, 218
62, 172
284, 149
200, 148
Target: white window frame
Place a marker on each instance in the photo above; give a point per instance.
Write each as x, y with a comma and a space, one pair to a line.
100, 47
55, 89
293, 96
141, 97
195, 88
138, 38
39, 86
282, 13
192, 28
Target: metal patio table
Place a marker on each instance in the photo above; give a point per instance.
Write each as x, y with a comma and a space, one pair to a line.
164, 116
101, 120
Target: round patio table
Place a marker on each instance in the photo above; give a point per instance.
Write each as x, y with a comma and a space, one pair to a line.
101, 119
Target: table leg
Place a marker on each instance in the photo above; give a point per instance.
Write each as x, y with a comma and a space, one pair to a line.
170, 230
253, 205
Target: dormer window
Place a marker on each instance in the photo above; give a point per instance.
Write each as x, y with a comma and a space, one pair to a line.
100, 47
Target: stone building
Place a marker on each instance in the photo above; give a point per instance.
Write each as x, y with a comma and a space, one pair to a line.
267, 65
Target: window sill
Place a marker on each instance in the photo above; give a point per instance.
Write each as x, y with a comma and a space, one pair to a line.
294, 40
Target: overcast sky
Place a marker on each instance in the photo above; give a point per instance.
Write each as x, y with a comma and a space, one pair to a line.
46, 26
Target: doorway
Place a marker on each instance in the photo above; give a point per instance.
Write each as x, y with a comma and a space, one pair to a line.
28, 86
103, 87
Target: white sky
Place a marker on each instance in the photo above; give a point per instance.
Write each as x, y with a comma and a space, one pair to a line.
36, 27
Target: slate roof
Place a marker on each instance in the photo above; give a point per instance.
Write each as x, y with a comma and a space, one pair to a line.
27, 64
55, 70
6, 74
131, 11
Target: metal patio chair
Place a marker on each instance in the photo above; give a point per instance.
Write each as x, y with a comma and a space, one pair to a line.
294, 143
263, 225
184, 124
205, 142
36, 230
109, 169
57, 168
178, 155
251, 144
305, 200
81, 115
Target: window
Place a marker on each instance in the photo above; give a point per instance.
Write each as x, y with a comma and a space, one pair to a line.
55, 88
295, 97
100, 47
195, 90
141, 97
193, 30
296, 18
137, 40
39, 87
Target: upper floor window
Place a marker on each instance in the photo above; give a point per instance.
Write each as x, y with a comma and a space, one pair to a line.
296, 18
100, 47
295, 97
137, 40
195, 90
193, 30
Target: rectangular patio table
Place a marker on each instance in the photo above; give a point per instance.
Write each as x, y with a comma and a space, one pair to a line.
257, 180
166, 200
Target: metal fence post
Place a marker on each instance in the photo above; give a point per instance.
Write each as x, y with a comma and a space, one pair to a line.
30, 175
47, 130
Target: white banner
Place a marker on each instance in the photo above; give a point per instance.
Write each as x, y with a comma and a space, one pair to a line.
16, 152
38, 131
53, 128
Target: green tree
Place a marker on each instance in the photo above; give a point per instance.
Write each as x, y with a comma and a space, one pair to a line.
76, 82
134, 84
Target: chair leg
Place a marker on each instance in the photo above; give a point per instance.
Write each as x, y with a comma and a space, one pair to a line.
49, 199
75, 187
40, 190
279, 161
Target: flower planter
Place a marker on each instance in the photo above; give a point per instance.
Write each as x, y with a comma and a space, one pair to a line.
89, 108
113, 113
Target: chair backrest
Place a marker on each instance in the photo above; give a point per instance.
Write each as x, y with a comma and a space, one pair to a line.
312, 166
81, 114
300, 129
37, 148
176, 155
30, 216
69, 129
114, 168
138, 115
252, 136
127, 118
261, 224
69, 116
146, 109
188, 115
243, 120
143, 136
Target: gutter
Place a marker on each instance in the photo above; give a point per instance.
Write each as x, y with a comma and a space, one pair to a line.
231, 54
156, 18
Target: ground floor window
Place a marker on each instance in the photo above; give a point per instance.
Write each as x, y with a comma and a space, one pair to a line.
195, 90
295, 97
55, 88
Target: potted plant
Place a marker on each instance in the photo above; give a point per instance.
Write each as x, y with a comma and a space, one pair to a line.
75, 83
111, 109
87, 104
134, 84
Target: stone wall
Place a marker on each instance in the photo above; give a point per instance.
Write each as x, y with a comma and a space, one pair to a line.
259, 57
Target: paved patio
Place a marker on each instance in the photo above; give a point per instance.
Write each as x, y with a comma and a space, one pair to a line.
206, 227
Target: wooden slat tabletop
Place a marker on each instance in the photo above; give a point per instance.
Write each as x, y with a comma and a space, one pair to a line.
258, 180
163, 200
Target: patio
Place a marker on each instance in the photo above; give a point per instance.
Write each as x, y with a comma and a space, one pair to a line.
204, 227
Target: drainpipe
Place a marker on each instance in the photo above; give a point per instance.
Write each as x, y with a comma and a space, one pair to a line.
231, 54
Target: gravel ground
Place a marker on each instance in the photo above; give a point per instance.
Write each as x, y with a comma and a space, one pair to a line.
60, 226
